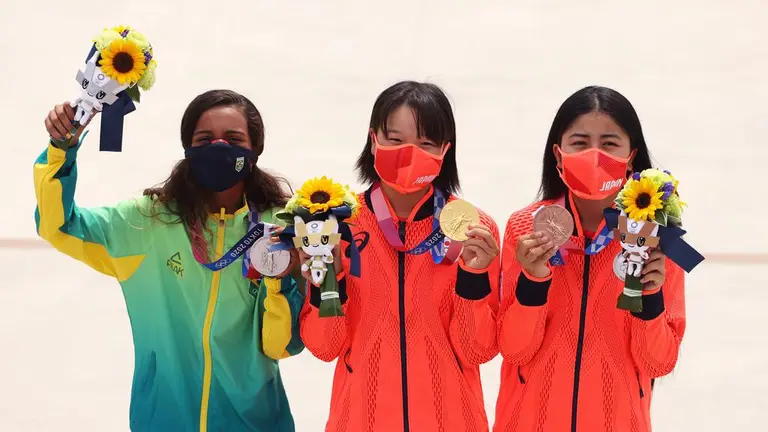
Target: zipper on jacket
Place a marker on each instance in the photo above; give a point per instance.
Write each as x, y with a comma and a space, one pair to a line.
212, 297
346, 360
640, 385
401, 307
580, 341
520, 375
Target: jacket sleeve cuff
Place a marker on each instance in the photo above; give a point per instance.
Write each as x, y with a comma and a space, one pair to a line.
653, 306
532, 291
314, 292
472, 285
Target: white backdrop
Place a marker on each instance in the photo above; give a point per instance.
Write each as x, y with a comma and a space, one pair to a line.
694, 71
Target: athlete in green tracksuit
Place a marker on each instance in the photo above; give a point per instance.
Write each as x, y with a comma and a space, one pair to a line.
206, 342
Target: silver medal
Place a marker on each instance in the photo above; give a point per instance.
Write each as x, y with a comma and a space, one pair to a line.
266, 262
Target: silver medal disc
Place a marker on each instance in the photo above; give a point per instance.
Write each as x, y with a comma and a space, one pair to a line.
620, 266
266, 262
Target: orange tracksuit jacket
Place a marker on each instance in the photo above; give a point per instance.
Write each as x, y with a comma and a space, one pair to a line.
413, 334
573, 361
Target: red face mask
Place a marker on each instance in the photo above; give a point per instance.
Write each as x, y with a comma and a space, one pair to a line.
593, 174
406, 167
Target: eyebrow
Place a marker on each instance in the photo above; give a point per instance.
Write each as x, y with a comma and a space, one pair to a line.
228, 131
583, 135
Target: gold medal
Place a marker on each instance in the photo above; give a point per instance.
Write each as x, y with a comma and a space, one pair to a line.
456, 218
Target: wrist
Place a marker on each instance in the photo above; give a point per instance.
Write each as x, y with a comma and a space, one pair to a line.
538, 273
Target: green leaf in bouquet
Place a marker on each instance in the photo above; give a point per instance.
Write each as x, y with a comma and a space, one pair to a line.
285, 216
134, 93
661, 218
302, 212
674, 220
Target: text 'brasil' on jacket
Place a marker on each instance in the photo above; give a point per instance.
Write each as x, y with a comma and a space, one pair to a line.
205, 342
413, 336
573, 361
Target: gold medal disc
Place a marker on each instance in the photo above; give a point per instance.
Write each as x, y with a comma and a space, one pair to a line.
456, 218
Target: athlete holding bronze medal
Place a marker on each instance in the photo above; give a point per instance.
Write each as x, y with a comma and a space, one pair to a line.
573, 360
422, 311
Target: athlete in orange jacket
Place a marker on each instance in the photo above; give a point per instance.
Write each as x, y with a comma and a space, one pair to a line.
573, 361
414, 330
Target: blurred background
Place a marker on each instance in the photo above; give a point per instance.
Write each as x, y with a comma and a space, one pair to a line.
695, 71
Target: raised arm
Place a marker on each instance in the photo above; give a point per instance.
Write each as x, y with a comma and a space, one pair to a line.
112, 240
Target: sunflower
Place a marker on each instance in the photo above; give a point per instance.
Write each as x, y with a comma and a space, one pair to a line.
641, 199
319, 195
123, 61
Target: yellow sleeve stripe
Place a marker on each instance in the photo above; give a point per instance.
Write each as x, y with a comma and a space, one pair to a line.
48, 190
276, 325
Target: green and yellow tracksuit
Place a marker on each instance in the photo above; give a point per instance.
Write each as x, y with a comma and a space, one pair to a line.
206, 343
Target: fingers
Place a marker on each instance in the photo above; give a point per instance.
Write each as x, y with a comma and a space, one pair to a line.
55, 126
531, 236
69, 111
550, 253
482, 246
540, 250
62, 113
482, 234
653, 266
652, 280
536, 247
656, 256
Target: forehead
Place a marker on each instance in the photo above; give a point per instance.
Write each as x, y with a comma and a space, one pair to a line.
403, 117
595, 123
223, 117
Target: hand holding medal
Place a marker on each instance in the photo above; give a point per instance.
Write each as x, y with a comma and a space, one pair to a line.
552, 228
460, 222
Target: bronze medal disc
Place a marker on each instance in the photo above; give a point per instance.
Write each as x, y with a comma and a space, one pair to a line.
556, 222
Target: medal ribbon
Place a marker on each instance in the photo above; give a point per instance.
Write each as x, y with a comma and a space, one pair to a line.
256, 230
444, 251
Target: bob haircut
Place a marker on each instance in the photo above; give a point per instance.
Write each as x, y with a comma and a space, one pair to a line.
584, 101
434, 120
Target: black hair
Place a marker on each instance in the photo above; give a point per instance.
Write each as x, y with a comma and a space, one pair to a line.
181, 193
434, 120
584, 101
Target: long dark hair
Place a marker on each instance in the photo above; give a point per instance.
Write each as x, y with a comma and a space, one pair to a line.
587, 100
434, 120
184, 198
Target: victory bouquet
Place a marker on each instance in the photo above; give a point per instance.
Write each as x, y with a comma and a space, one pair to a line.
121, 62
648, 215
316, 216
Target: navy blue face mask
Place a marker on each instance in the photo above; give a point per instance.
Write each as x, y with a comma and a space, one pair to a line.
219, 165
